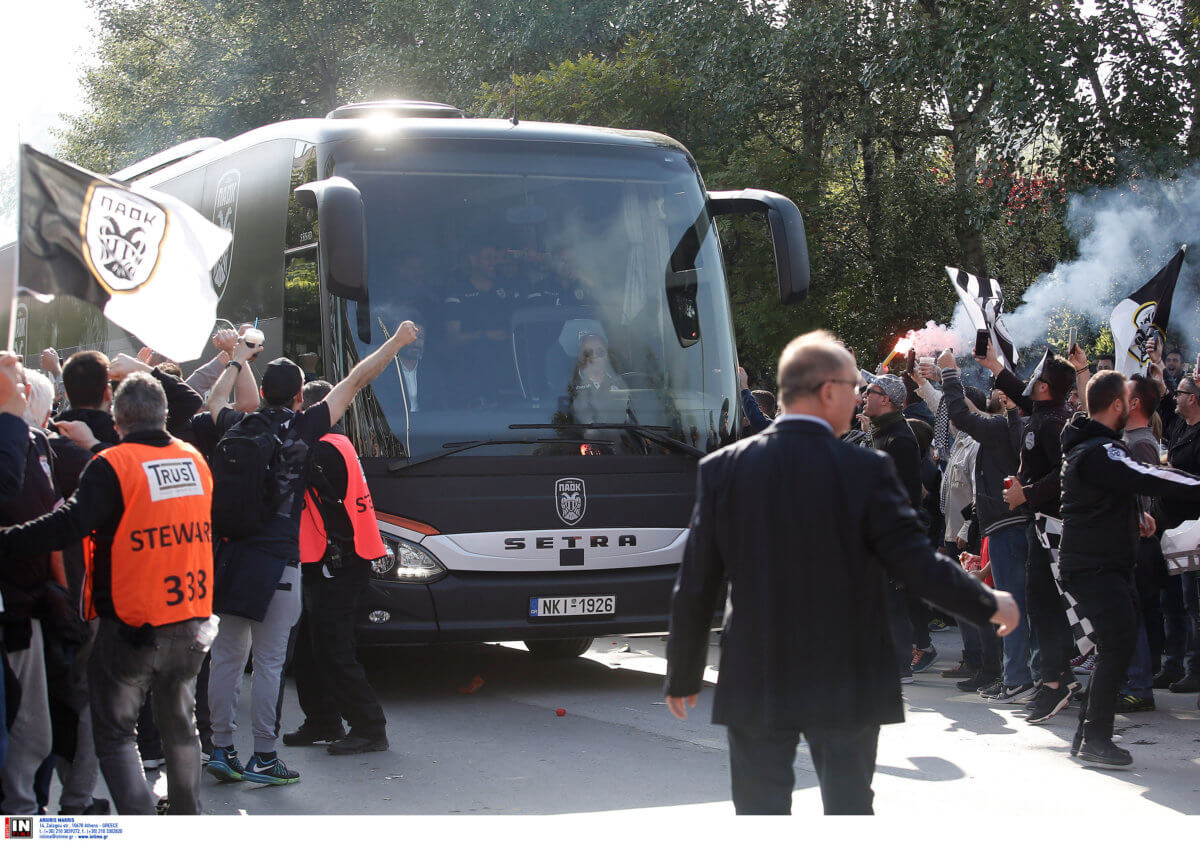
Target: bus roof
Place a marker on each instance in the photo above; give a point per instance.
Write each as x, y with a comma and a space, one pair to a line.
319, 131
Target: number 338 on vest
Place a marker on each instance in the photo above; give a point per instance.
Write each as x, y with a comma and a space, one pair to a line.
161, 561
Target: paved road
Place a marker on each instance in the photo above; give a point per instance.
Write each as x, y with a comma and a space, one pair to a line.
502, 749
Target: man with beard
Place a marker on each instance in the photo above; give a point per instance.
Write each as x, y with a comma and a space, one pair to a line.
424, 385
1102, 520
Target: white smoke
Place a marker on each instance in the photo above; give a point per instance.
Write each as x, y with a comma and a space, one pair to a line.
1126, 234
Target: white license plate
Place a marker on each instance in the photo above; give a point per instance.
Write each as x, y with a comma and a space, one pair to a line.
542, 606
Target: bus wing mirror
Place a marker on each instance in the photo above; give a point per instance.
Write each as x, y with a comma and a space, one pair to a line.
787, 234
341, 241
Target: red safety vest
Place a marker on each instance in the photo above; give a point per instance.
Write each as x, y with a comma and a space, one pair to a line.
359, 508
161, 564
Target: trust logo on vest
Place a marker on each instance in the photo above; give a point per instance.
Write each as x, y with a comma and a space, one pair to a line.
172, 478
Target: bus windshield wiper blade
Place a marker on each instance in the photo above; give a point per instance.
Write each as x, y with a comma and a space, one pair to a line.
461, 446
657, 434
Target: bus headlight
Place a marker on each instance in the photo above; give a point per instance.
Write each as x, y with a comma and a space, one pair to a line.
406, 561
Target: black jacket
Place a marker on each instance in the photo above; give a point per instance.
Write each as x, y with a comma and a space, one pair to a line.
997, 456
807, 529
183, 401
1183, 454
1101, 482
894, 437
1041, 447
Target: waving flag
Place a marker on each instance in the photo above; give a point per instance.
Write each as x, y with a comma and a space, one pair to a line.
141, 256
1137, 318
984, 302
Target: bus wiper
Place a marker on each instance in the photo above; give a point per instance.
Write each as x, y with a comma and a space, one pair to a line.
656, 434
462, 446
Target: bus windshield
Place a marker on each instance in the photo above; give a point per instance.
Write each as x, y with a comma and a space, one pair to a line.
571, 300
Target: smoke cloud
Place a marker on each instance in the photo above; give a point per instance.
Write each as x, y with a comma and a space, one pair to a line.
1126, 233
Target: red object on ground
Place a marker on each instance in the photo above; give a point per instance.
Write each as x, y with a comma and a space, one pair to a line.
560, 711
476, 683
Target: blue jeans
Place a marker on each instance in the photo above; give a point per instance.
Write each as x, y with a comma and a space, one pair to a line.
1139, 679
1006, 549
1181, 616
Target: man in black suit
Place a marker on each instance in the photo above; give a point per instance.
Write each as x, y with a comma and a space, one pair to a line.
807, 530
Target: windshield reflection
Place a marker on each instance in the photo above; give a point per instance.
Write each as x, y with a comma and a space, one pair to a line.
550, 290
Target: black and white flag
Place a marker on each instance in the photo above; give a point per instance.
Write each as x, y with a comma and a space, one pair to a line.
1049, 532
1037, 371
984, 303
141, 256
1136, 319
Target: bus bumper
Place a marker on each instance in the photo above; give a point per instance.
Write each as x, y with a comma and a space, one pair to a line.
488, 607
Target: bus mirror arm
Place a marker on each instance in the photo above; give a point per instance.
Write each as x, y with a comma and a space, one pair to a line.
787, 234
342, 242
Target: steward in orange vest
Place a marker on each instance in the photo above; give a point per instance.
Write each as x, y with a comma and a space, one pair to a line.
339, 537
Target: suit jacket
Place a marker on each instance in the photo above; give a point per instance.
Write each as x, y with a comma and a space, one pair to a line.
806, 528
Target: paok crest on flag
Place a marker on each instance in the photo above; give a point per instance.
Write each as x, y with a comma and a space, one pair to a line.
1145, 313
141, 256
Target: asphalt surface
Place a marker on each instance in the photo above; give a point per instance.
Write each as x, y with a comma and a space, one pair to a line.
503, 750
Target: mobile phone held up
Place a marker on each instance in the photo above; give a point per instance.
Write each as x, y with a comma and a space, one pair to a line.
981, 343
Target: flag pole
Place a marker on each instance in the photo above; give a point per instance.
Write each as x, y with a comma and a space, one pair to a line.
16, 277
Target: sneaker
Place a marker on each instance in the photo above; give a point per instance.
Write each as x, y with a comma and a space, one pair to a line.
1078, 661
358, 744
1104, 753
1049, 703
98, 806
993, 689
1133, 704
153, 763
1085, 666
223, 764
906, 677
309, 734
961, 670
270, 771
937, 626
1190, 683
923, 658
976, 681
1016, 694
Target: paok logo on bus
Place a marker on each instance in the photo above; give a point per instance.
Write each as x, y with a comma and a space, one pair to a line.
571, 498
225, 216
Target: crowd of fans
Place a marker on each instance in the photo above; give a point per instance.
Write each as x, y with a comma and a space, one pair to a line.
982, 455
982, 466
121, 548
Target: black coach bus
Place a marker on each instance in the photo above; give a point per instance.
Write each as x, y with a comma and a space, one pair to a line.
532, 458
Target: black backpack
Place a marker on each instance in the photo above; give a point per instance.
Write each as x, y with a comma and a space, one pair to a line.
245, 470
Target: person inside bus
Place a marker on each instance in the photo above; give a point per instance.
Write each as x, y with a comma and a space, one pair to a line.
478, 321
424, 383
596, 393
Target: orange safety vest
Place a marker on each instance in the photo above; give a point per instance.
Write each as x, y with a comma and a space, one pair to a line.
161, 565
368, 545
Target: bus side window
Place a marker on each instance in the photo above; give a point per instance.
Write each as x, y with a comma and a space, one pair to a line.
302, 314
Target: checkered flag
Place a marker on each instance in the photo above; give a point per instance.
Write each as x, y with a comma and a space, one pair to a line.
1049, 532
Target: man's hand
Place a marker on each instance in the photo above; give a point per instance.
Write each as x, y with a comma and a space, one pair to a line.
678, 705
225, 340
51, 364
405, 335
77, 431
243, 352
864, 422
1153, 349
1078, 358
928, 371
13, 393
946, 360
124, 365
990, 360
1007, 615
1015, 494
743, 378
1147, 526
882, 370
960, 542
